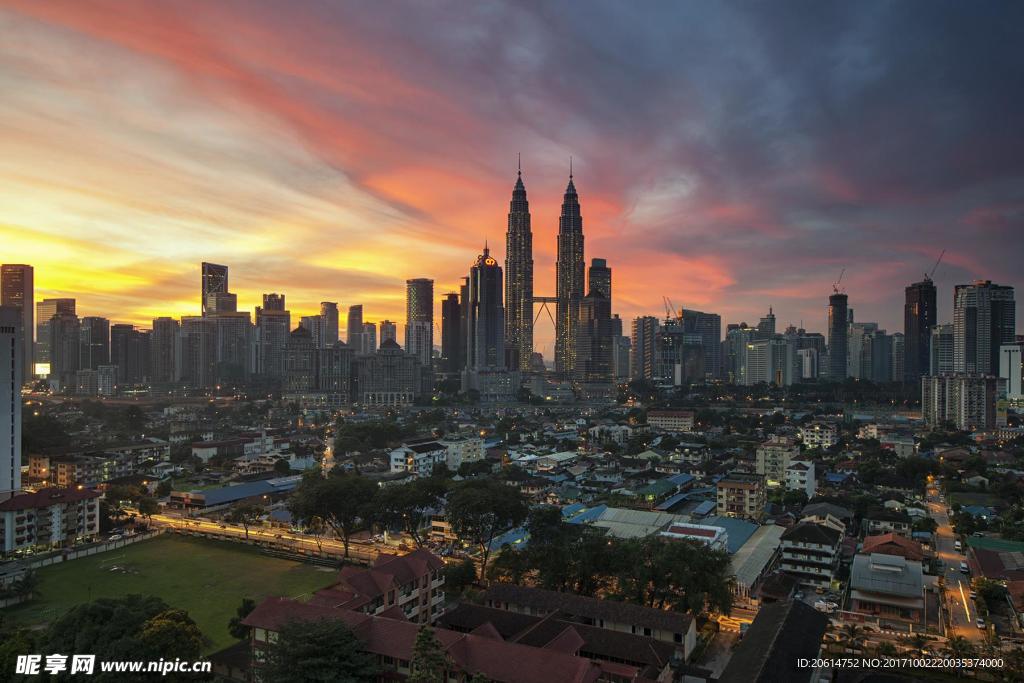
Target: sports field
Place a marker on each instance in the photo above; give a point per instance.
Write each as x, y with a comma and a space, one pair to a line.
206, 578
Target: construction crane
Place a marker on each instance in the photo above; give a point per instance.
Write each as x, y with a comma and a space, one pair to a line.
928, 276
670, 309
835, 285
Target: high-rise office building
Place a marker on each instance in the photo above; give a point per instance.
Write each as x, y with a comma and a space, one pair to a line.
767, 323
129, 351
329, 312
569, 283
315, 325
940, 350
300, 362
899, 357
486, 372
273, 325
94, 343
354, 330
708, 326
599, 279
274, 302
451, 331
679, 355
486, 314
838, 309
642, 358
419, 319
984, 318
1010, 369
388, 330
199, 351
17, 289
856, 343
919, 316
12, 322
165, 350
518, 278
45, 310
370, 337
594, 339
213, 281
234, 341
64, 334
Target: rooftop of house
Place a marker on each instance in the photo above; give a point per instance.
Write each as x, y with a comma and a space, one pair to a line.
782, 633
44, 498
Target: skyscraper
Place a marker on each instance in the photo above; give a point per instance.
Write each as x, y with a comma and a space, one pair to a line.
12, 376
767, 323
837, 336
451, 331
419, 319
199, 351
984, 318
129, 351
164, 350
314, 324
519, 278
642, 357
486, 314
594, 339
940, 350
273, 325
919, 316
709, 327
569, 284
94, 339
63, 331
354, 329
214, 281
17, 290
599, 279
370, 337
329, 312
45, 310
388, 330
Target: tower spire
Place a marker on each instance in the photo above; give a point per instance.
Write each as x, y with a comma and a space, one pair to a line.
570, 167
519, 164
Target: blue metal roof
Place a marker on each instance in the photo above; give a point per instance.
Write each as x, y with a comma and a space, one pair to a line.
671, 501
588, 515
231, 494
705, 508
739, 530
681, 479
516, 538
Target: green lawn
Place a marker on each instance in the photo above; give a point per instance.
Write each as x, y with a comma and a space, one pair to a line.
974, 498
207, 578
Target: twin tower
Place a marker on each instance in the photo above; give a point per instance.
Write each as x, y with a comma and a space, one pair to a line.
569, 286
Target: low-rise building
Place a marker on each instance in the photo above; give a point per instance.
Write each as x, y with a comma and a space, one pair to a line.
418, 458
774, 457
462, 449
714, 537
810, 553
671, 420
819, 435
800, 477
50, 517
893, 544
888, 587
881, 521
742, 495
782, 634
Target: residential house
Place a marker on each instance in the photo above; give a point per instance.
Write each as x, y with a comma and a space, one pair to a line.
811, 552
887, 586
742, 495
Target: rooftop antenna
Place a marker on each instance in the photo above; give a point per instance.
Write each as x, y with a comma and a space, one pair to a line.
928, 276
519, 164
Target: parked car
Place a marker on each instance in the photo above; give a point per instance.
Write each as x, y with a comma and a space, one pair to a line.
964, 569
980, 623
958, 546
115, 537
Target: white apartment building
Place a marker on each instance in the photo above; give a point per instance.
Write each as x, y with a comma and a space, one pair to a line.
774, 457
671, 420
819, 435
50, 518
462, 449
800, 476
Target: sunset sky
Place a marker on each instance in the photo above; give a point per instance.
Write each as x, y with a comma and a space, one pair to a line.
729, 155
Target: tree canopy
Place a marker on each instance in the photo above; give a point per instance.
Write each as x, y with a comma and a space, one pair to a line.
324, 650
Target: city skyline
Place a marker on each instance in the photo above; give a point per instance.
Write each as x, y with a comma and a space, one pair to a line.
331, 182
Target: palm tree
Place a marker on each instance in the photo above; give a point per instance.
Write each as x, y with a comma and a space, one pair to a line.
916, 642
852, 637
885, 649
959, 647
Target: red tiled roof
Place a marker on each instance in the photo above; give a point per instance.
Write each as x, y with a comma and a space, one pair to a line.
686, 530
893, 544
44, 498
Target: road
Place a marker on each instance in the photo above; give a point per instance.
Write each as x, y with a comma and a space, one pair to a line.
958, 585
282, 538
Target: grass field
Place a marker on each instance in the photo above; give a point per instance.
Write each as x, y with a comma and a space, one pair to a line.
974, 498
206, 578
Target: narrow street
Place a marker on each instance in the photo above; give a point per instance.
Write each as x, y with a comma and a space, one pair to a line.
958, 584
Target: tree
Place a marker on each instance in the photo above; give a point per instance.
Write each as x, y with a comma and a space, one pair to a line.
428, 663
282, 467
171, 635
458, 577
315, 527
959, 647
235, 627
479, 510
342, 500
852, 637
409, 506
129, 627
148, 507
163, 489
324, 650
246, 515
